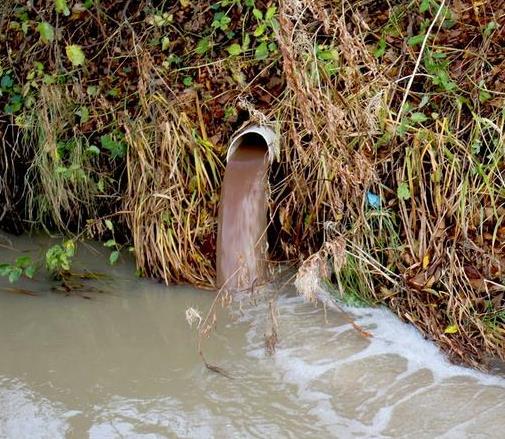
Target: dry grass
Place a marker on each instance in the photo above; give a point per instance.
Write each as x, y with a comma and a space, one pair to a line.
434, 248
173, 181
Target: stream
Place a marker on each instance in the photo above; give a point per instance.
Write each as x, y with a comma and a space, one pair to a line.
122, 362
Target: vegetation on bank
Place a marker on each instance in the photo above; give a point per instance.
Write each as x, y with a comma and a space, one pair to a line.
390, 176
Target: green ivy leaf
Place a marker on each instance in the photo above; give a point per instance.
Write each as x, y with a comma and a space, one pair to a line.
30, 271
46, 32
165, 43
380, 49
270, 13
23, 261
6, 82
202, 46
114, 256
15, 274
234, 49
424, 6
418, 117
403, 191
116, 149
61, 7
260, 30
75, 55
415, 40
93, 150
261, 51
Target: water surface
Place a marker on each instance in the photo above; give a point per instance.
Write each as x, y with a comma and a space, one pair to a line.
124, 364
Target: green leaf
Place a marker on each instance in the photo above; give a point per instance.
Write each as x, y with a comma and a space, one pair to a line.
46, 32
202, 46
23, 261
61, 7
5, 269
260, 30
30, 271
403, 191
418, 117
424, 6
380, 49
109, 225
83, 113
114, 256
165, 43
270, 13
6, 82
110, 243
484, 96
415, 40
451, 329
93, 150
75, 55
261, 51
234, 49
258, 14
187, 81
15, 274
116, 148
490, 27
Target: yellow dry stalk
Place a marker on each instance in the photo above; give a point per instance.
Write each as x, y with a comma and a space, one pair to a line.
173, 179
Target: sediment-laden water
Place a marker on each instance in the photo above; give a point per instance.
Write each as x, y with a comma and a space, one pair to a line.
241, 238
124, 364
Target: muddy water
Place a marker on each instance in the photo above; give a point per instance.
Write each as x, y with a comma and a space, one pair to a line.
124, 364
243, 217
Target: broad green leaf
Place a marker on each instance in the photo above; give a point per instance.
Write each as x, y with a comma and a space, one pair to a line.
415, 40
261, 51
5, 269
418, 117
260, 30
203, 46
116, 148
93, 149
380, 49
6, 82
258, 14
75, 55
61, 7
270, 13
114, 256
30, 271
165, 43
23, 261
46, 32
424, 6
451, 329
234, 49
110, 243
109, 225
403, 191
15, 274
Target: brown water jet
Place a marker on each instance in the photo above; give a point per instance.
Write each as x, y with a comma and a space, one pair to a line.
242, 242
